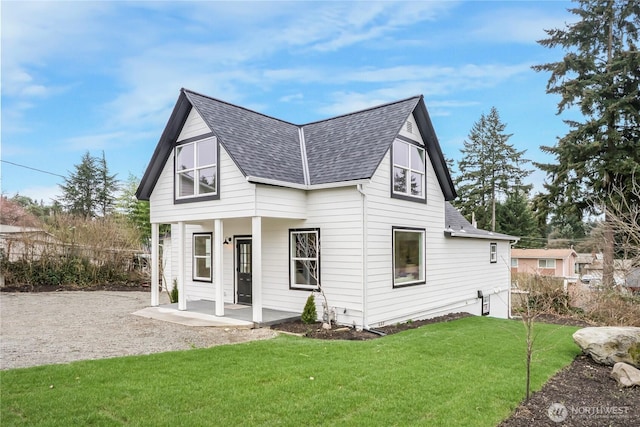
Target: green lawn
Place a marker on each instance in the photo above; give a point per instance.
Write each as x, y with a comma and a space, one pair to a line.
469, 372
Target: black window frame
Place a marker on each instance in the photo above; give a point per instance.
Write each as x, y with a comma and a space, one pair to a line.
292, 284
418, 282
402, 196
193, 258
196, 198
493, 252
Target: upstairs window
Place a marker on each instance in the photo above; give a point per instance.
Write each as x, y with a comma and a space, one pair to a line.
408, 171
196, 170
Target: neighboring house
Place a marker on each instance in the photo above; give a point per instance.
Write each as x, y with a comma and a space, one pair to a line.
625, 271
24, 243
559, 263
263, 212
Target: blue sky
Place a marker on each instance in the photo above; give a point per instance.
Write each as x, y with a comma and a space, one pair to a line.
104, 75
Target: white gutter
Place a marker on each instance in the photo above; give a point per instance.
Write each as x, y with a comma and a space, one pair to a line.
279, 183
471, 235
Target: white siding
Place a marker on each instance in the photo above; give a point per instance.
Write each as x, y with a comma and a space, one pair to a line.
194, 126
415, 133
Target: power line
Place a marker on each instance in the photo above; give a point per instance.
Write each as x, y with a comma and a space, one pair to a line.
35, 169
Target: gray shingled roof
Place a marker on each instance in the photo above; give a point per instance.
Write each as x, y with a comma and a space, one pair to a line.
260, 145
456, 225
351, 147
340, 149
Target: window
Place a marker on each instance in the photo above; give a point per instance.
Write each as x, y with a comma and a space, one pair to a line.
196, 169
493, 252
486, 304
514, 262
202, 257
408, 170
304, 265
408, 257
547, 263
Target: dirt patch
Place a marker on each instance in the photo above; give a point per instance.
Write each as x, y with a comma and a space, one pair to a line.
315, 330
58, 327
583, 394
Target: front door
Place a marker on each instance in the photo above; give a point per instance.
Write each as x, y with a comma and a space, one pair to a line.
243, 270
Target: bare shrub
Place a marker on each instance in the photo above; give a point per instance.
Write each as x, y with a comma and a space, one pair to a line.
613, 308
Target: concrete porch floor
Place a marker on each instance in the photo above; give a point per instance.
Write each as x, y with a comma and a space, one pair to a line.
202, 313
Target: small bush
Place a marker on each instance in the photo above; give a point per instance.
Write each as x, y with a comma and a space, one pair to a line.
309, 314
173, 295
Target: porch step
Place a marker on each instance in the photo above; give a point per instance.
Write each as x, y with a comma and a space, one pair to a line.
190, 318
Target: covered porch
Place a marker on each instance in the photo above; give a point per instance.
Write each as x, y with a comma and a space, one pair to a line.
234, 287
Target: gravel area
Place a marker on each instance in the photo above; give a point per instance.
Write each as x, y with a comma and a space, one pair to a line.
60, 327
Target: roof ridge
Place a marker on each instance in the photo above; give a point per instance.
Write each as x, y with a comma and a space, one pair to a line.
418, 97
238, 106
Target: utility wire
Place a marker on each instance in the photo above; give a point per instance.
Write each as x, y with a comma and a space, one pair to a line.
29, 167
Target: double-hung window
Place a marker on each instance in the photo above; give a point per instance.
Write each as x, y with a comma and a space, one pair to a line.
408, 171
196, 170
304, 263
493, 252
408, 256
202, 257
546, 263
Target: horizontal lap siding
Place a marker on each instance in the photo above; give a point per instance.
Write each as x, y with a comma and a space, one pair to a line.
236, 194
386, 304
194, 126
280, 202
340, 254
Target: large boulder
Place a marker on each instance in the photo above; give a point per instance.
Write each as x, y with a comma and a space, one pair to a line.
610, 344
626, 375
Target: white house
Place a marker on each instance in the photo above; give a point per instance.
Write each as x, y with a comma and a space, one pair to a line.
263, 211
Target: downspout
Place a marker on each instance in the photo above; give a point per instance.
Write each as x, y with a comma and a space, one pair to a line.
360, 188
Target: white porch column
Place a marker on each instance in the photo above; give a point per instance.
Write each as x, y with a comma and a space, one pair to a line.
218, 238
182, 298
155, 297
256, 263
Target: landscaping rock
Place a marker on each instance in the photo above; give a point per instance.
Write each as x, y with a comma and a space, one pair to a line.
609, 345
626, 375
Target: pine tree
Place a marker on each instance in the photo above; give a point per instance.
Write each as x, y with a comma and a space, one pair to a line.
490, 167
107, 187
600, 74
89, 191
515, 217
136, 211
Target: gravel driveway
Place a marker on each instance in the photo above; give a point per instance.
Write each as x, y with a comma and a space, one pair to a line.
60, 327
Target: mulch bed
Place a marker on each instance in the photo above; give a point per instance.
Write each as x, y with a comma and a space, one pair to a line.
582, 394
73, 287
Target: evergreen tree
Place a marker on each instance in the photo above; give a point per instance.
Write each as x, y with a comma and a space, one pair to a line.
89, 191
490, 167
515, 217
107, 187
136, 211
600, 73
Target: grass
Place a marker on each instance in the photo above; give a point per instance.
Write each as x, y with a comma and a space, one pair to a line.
468, 372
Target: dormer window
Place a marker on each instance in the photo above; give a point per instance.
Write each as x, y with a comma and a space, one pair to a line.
408, 177
196, 170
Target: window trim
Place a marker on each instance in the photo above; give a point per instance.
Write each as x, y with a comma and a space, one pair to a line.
302, 287
194, 276
196, 197
547, 267
423, 267
404, 196
493, 252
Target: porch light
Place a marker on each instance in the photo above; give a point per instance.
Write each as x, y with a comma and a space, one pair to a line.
226, 241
